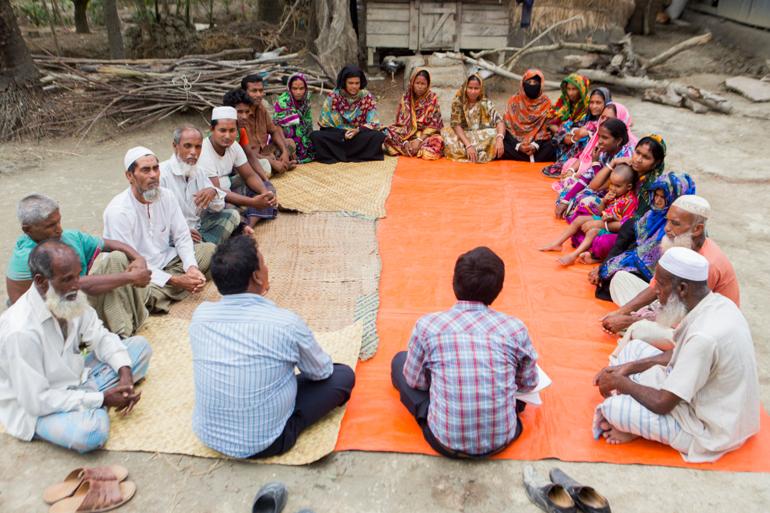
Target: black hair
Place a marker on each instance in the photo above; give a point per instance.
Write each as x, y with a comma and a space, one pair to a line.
617, 129
628, 173
236, 96
249, 79
474, 78
351, 71
478, 276
131, 167
657, 149
40, 260
233, 263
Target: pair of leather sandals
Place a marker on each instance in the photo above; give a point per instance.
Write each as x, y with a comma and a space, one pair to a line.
562, 494
90, 490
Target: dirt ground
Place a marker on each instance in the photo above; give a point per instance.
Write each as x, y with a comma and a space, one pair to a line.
724, 155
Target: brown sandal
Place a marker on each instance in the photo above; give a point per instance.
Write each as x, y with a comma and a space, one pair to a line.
67, 487
95, 497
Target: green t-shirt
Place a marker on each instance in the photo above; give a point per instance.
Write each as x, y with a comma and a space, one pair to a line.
86, 246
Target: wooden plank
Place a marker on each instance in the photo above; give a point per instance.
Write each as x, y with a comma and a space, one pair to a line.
392, 13
459, 27
400, 28
491, 16
473, 29
389, 41
482, 43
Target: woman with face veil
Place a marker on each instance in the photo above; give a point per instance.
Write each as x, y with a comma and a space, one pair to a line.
527, 137
350, 128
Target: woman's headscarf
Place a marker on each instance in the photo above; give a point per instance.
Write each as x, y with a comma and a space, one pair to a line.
418, 112
525, 118
460, 104
564, 109
606, 96
649, 229
349, 72
303, 104
646, 181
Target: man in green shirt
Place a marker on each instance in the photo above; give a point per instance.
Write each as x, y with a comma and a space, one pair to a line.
111, 270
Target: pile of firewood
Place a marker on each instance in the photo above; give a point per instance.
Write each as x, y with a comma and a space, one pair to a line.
140, 92
615, 64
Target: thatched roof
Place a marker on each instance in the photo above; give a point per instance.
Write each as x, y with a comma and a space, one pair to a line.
597, 14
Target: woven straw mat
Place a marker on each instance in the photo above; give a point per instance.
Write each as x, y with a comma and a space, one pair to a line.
162, 420
357, 187
321, 267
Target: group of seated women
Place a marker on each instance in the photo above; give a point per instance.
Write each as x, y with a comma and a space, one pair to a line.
532, 128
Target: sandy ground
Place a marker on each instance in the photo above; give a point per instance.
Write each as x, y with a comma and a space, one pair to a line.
723, 153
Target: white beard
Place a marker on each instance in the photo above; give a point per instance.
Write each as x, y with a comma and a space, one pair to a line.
187, 169
151, 195
683, 240
672, 313
63, 308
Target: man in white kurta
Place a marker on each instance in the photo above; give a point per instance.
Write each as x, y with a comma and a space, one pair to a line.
48, 389
202, 204
148, 217
701, 398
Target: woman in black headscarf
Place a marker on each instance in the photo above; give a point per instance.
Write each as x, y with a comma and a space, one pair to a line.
350, 129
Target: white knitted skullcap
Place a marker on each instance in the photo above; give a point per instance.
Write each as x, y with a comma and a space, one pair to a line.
685, 263
693, 204
135, 153
223, 113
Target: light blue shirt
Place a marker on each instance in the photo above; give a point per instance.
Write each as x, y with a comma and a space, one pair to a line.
245, 350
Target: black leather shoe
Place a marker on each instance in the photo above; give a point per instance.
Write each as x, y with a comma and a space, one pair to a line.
586, 498
548, 496
271, 498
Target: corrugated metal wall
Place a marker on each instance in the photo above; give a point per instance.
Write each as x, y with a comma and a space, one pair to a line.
750, 12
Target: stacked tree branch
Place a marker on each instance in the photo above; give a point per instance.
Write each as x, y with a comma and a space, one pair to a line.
139, 92
616, 64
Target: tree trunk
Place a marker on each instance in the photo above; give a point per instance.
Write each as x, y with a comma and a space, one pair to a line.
337, 44
114, 35
16, 63
18, 75
81, 20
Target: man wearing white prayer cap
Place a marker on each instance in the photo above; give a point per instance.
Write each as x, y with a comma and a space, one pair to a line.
702, 396
685, 227
221, 156
148, 217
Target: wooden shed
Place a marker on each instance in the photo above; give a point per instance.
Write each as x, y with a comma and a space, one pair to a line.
427, 25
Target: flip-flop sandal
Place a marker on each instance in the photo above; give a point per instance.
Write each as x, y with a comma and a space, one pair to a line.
96, 497
67, 487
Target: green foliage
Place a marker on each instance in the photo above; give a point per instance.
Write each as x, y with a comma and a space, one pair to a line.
34, 12
95, 12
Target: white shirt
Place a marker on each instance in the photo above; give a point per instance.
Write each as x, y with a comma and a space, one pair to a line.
39, 369
172, 177
714, 371
214, 164
150, 229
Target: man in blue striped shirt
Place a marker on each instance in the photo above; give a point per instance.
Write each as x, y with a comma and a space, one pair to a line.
248, 401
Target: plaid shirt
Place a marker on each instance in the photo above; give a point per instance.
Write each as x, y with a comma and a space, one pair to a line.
473, 360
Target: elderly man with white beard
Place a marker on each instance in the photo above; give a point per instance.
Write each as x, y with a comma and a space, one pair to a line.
48, 389
202, 204
148, 218
701, 397
685, 227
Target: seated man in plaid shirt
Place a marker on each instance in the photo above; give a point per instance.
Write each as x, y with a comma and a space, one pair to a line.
465, 366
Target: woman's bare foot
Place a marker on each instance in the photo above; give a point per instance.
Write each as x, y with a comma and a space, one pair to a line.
614, 436
550, 247
568, 259
587, 258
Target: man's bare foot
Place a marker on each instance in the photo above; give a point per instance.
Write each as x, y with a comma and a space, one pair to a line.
614, 436
567, 259
586, 258
550, 247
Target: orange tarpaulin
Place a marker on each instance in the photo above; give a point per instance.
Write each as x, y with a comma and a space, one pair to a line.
438, 210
